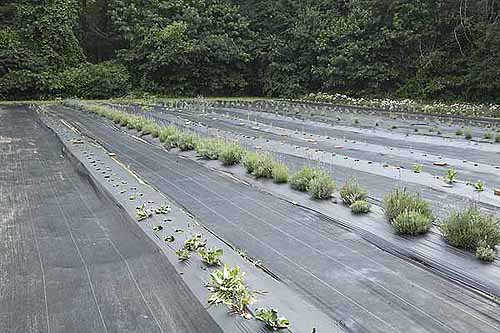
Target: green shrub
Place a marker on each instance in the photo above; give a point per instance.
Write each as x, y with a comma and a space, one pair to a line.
485, 253
469, 228
488, 135
210, 148
399, 201
351, 192
250, 161
231, 154
150, 128
412, 222
167, 134
321, 187
360, 207
280, 173
186, 141
497, 138
264, 166
301, 179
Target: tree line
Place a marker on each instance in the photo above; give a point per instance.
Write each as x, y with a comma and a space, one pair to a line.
421, 49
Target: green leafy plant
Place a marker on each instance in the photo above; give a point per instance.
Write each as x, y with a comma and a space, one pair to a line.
418, 168
360, 207
488, 135
497, 138
451, 176
459, 132
211, 257
399, 201
280, 173
468, 229
195, 242
271, 319
163, 209
227, 286
321, 187
411, 222
231, 154
142, 213
351, 191
479, 186
250, 161
183, 254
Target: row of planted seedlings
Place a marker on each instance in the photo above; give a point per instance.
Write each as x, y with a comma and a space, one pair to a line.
226, 284
409, 214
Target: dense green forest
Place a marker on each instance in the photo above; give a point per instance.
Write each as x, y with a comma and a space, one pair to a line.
423, 49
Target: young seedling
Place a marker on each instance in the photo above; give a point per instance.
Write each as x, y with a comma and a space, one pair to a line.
451, 176
479, 186
211, 257
163, 209
418, 168
227, 286
142, 213
271, 319
183, 254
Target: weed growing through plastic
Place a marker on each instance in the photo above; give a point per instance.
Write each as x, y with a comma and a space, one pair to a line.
488, 135
301, 179
142, 213
497, 138
479, 186
271, 319
459, 132
412, 222
468, 133
321, 187
263, 167
210, 149
194, 243
227, 286
418, 168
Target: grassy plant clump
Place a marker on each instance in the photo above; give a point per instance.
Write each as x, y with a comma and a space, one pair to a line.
227, 286
470, 229
211, 257
231, 154
399, 201
459, 132
210, 149
280, 173
167, 133
488, 135
321, 187
186, 141
263, 167
497, 138
351, 192
485, 253
301, 179
412, 222
360, 207
250, 161
418, 168
271, 319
